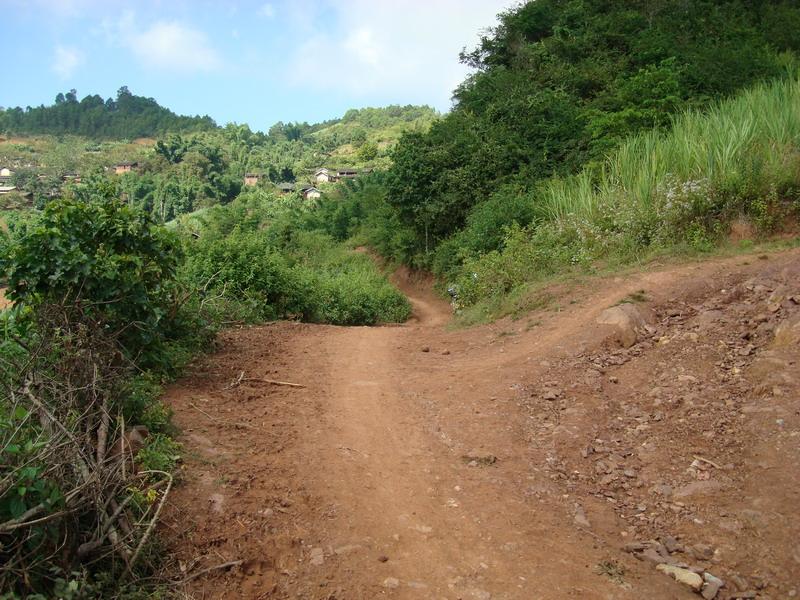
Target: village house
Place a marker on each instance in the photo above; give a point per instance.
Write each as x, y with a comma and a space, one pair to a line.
251, 179
285, 187
73, 177
125, 167
346, 174
310, 193
7, 189
324, 175
5, 175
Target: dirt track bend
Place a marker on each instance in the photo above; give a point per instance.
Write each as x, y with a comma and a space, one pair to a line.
378, 478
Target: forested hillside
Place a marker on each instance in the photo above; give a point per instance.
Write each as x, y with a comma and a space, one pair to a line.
127, 116
558, 85
182, 171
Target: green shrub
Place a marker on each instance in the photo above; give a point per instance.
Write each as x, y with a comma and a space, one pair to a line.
310, 276
101, 257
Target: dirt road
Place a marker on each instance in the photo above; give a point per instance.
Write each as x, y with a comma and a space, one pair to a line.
503, 461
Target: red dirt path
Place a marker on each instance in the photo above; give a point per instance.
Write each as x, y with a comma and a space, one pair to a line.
379, 478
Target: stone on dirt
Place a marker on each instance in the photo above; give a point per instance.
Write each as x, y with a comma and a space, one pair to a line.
628, 320
711, 586
684, 576
580, 517
391, 583
703, 551
476, 458
317, 556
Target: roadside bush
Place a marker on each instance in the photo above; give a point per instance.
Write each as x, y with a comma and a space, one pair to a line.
96, 305
485, 229
310, 277
99, 259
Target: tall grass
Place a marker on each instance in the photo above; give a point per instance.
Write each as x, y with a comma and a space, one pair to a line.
660, 191
750, 136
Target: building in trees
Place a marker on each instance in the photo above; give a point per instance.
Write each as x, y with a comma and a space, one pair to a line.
310, 193
125, 167
324, 175
251, 179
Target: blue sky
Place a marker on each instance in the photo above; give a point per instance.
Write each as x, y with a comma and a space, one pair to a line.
249, 62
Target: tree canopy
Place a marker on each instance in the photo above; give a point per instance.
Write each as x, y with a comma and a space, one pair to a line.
128, 116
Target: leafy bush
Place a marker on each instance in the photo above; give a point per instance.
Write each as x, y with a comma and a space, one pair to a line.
278, 270
95, 304
101, 257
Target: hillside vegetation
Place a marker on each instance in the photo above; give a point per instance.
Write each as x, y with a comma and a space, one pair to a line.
558, 85
660, 192
127, 116
181, 172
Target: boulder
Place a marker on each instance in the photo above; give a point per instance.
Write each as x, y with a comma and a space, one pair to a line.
627, 321
787, 333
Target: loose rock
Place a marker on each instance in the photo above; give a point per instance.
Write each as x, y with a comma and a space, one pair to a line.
628, 320
317, 556
711, 586
684, 576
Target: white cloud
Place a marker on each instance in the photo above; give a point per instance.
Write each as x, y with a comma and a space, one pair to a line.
65, 60
361, 44
267, 10
169, 45
406, 50
163, 45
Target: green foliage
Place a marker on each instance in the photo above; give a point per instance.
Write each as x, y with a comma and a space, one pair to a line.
259, 259
741, 159
142, 404
190, 169
560, 84
160, 453
485, 229
112, 260
127, 116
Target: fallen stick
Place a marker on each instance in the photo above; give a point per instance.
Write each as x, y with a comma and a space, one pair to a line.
153, 521
705, 460
274, 382
227, 565
235, 383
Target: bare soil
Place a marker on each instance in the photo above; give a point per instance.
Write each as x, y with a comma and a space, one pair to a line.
528, 459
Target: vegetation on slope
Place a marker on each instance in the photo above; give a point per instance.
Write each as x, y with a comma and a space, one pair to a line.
180, 172
127, 116
560, 84
659, 192
259, 259
85, 455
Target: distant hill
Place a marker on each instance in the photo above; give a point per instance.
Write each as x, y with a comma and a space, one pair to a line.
126, 117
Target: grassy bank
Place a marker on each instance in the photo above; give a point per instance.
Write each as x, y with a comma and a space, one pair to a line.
671, 193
